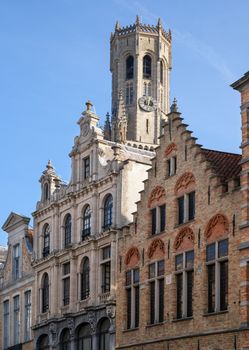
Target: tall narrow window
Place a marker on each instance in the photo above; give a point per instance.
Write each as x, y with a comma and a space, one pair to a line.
45, 293
184, 284
66, 283
108, 211
158, 219
65, 340
104, 335
46, 191
132, 292
85, 279
68, 229
217, 275
147, 67
106, 269
16, 319
186, 207
46, 240
172, 165
86, 166
16, 261
129, 67
27, 315
129, 94
156, 280
84, 339
161, 72
6, 325
86, 231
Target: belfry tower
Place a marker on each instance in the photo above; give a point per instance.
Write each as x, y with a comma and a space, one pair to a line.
140, 63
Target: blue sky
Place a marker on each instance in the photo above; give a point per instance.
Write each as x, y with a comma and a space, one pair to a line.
55, 55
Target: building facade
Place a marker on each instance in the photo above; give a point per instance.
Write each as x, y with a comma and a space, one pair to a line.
16, 289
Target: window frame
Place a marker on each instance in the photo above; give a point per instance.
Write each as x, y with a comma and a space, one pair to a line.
66, 283
86, 224
85, 279
46, 240
45, 293
86, 167
16, 319
27, 314
129, 67
132, 293
106, 269
16, 261
156, 283
68, 231
184, 216
158, 219
108, 212
6, 324
147, 67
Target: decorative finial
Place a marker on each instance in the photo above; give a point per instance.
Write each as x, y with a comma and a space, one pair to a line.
174, 107
49, 165
137, 20
159, 22
117, 25
89, 105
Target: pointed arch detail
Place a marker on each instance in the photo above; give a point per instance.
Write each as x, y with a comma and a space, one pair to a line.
185, 233
170, 148
156, 246
156, 195
132, 256
185, 181
218, 225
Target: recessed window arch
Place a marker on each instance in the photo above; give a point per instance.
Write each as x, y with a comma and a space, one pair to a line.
46, 240
65, 340
147, 67
46, 191
45, 292
86, 229
108, 207
129, 67
84, 338
85, 279
104, 335
67, 230
161, 72
43, 342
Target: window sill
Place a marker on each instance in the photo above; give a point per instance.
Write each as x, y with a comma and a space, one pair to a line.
184, 223
150, 325
130, 330
182, 319
215, 313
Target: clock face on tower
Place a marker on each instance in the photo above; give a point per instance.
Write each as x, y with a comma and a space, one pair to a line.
147, 103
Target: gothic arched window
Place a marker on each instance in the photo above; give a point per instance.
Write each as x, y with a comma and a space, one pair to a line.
65, 340
147, 67
84, 339
68, 230
161, 72
46, 191
108, 211
129, 67
46, 240
85, 279
86, 231
104, 335
45, 293
43, 342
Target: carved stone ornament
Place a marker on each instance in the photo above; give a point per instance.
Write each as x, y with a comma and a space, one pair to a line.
217, 224
186, 232
184, 182
171, 147
71, 327
92, 320
156, 244
157, 194
52, 333
111, 311
132, 256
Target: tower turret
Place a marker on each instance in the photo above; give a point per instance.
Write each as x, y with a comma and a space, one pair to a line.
140, 64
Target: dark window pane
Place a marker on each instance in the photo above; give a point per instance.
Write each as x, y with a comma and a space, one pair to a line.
137, 306
169, 167
210, 252
85, 280
152, 302
136, 276
129, 67
190, 280
66, 268
86, 223
108, 212
190, 259
223, 248
152, 270
191, 205
86, 167
45, 294
223, 285
180, 210
179, 296
211, 288
68, 228
147, 67
106, 253
162, 217
160, 268
161, 300
153, 221
128, 293
179, 262
161, 72
128, 278
66, 290
106, 277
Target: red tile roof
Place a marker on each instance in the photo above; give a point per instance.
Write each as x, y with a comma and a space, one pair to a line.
226, 165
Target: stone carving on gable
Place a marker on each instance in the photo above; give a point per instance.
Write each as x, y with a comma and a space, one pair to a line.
156, 195
186, 180
171, 147
157, 244
132, 256
217, 225
185, 233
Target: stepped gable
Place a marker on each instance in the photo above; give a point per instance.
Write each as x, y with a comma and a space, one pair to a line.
226, 165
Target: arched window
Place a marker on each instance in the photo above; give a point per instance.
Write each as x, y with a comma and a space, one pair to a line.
129, 67
84, 339
46, 240
104, 335
85, 279
45, 293
86, 231
65, 340
45, 191
68, 229
147, 67
43, 343
161, 72
129, 94
108, 211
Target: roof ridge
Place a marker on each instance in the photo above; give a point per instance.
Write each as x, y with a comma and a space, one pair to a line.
224, 152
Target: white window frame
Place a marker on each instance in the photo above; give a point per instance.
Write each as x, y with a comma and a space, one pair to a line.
27, 316
156, 279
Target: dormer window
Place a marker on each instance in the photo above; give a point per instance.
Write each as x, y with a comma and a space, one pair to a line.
86, 167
